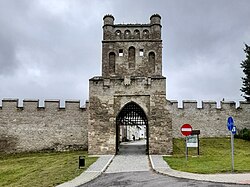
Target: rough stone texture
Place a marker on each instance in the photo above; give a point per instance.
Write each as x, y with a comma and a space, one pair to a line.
209, 119
108, 96
30, 128
142, 66
131, 72
160, 129
146, 37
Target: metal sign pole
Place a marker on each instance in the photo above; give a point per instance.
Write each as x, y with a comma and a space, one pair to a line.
198, 145
186, 150
232, 147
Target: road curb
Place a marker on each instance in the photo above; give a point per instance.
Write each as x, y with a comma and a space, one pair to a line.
91, 173
165, 169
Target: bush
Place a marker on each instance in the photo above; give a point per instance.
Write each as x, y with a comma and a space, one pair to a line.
243, 134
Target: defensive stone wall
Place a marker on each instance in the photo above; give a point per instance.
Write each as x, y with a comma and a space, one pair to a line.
209, 119
34, 128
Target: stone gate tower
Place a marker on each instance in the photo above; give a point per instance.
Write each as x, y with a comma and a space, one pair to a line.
131, 90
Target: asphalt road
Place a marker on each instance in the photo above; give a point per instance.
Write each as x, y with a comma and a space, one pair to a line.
148, 179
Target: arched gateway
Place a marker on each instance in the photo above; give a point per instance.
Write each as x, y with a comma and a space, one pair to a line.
130, 95
131, 124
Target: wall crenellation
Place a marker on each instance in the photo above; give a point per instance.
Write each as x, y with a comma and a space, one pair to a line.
193, 104
210, 119
31, 104
34, 128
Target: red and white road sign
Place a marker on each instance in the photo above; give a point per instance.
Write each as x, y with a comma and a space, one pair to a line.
186, 129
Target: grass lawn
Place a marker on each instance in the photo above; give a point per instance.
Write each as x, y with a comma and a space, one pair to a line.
215, 156
40, 169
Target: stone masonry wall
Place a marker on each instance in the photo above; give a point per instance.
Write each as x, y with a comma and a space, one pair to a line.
160, 129
209, 119
142, 66
33, 128
108, 96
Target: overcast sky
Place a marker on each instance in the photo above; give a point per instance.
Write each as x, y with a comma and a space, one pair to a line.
50, 48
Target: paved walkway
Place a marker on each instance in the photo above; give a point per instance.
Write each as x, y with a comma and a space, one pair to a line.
135, 160
132, 157
128, 163
133, 148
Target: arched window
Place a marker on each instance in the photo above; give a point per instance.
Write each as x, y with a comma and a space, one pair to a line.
137, 34
131, 57
111, 62
145, 34
127, 34
151, 61
118, 34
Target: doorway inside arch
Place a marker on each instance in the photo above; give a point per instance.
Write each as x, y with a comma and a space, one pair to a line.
132, 130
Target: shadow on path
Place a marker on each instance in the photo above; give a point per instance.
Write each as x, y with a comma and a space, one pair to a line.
132, 148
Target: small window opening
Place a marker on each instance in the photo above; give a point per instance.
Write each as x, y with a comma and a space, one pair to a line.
151, 59
127, 34
145, 34
131, 57
112, 62
118, 34
120, 52
137, 34
141, 52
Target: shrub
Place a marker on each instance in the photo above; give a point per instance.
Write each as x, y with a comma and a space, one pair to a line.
243, 134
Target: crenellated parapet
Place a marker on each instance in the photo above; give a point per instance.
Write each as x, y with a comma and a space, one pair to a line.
32, 127
33, 105
126, 32
222, 105
210, 118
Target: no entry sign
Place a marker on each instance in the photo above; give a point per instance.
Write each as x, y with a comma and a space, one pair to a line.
186, 129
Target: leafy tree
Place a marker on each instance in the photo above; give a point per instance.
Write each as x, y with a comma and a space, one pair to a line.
246, 69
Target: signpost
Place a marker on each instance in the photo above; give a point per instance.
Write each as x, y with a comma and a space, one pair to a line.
232, 129
186, 130
230, 123
196, 133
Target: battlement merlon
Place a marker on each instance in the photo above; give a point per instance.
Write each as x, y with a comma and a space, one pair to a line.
30, 104
209, 104
227, 105
9, 104
189, 104
245, 105
72, 104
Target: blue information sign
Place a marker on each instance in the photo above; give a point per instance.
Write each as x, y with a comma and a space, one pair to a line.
234, 130
230, 123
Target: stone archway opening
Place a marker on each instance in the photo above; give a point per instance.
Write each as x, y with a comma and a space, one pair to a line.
132, 130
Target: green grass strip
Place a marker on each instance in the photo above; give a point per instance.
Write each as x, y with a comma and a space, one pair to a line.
40, 169
215, 156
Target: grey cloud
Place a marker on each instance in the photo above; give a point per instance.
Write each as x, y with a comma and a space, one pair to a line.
49, 49
7, 56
